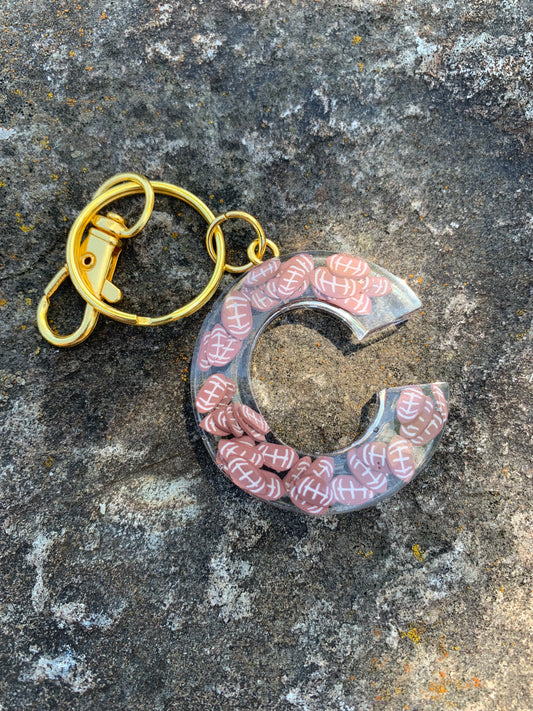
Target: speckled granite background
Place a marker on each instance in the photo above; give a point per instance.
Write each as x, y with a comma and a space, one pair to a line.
134, 576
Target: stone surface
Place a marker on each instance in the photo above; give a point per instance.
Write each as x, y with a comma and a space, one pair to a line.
134, 576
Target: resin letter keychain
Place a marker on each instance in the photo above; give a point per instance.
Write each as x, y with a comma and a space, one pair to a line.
407, 423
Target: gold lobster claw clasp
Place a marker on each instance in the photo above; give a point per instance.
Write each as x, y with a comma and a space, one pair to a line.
97, 258
91, 261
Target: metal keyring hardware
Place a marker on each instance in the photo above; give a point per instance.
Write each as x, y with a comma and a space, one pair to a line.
260, 242
91, 262
252, 256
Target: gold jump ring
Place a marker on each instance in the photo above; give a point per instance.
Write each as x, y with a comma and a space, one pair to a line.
255, 244
260, 241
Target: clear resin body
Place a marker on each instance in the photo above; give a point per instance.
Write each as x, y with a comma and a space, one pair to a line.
407, 423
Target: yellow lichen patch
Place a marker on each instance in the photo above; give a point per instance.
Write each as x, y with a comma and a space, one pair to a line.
412, 634
21, 225
356, 39
361, 66
418, 552
48, 463
436, 689
184, 370
368, 554
3, 302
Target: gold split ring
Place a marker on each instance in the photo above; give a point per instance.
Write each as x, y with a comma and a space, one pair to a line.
125, 189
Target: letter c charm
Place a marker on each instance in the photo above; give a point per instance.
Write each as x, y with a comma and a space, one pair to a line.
408, 421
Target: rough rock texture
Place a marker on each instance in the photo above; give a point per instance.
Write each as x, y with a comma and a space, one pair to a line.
134, 576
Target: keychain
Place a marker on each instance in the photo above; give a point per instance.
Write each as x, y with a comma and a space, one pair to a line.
408, 421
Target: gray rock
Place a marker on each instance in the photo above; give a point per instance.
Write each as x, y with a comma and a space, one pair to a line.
134, 575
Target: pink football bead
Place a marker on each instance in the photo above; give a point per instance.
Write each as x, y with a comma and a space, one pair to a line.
253, 419
274, 487
310, 492
290, 281
304, 262
245, 425
211, 393
323, 467
231, 448
230, 392
261, 301
262, 272
334, 287
359, 305
220, 419
209, 425
348, 266
271, 290
221, 348
221, 442
297, 470
419, 424
278, 456
432, 430
442, 403
349, 491
232, 421
201, 361
410, 404
376, 286
401, 458
301, 289
247, 476
375, 480
237, 315
374, 455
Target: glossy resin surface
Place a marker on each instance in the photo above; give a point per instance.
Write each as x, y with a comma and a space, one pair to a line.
407, 423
